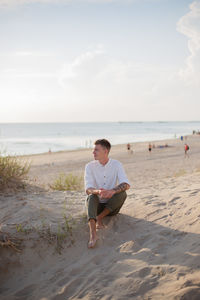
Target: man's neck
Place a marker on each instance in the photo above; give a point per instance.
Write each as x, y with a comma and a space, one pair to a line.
104, 161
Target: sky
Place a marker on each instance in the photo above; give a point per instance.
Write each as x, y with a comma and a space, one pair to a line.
99, 60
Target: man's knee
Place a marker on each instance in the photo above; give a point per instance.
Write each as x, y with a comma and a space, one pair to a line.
120, 197
115, 203
123, 195
92, 197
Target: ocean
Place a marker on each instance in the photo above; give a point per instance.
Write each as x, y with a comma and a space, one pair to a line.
34, 138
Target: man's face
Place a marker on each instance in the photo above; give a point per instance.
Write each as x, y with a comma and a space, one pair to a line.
100, 152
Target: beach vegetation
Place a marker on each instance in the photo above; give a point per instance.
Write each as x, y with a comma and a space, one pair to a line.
180, 173
7, 241
60, 236
13, 171
68, 182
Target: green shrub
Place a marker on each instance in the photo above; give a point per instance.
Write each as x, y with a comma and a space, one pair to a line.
68, 182
12, 170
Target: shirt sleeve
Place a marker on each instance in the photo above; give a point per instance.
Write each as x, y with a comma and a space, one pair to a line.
121, 176
89, 178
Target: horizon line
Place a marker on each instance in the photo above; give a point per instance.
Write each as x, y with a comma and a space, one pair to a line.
65, 122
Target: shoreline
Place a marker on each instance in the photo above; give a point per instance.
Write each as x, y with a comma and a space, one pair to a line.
113, 146
45, 168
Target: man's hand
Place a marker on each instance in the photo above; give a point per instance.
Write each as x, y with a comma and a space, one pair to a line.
106, 194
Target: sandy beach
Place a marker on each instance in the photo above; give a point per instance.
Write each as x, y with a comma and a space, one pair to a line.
151, 250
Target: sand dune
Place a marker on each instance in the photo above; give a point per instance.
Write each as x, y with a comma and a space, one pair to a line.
151, 250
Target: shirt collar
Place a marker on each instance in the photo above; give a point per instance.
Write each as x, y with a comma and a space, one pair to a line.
105, 164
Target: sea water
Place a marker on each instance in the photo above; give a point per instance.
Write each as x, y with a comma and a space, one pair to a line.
33, 138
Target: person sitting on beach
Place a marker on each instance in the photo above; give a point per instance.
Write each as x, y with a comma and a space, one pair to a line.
105, 185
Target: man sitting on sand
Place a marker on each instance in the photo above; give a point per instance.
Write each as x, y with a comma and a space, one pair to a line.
105, 184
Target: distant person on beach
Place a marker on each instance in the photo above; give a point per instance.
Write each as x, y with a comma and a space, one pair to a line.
106, 184
186, 148
150, 147
128, 146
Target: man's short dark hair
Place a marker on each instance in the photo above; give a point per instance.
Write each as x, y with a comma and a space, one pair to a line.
104, 143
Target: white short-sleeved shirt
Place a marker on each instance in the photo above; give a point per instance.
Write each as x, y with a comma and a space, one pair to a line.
104, 176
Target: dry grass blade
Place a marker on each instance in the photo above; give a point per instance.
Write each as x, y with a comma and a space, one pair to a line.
9, 242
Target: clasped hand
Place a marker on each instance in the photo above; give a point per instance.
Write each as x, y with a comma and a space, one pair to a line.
106, 194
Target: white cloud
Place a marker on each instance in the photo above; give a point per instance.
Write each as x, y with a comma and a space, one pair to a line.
96, 81
84, 66
189, 25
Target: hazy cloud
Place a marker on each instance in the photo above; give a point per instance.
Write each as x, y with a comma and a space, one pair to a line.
99, 78
189, 25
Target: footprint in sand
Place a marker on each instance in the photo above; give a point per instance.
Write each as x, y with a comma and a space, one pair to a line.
194, 193
188, 212
173, 201
153, 212
165, 232
69, 289
195, 221
141, 273
161, 204
63, 281
148, 202
163, 217
191, 291
26, 292
144, 272
97, 260
128, 247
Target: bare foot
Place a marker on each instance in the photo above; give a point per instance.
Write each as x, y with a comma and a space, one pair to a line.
92, 242
99, 224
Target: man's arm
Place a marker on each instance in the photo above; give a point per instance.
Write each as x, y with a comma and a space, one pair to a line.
109, 193
118, 189
121, 187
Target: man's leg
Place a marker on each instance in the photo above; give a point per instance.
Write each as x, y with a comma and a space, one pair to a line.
112, 207
101, 208
93, 206
101, 214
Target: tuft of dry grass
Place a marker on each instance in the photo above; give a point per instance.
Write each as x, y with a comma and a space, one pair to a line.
12, 171
181, 172
6, 241
68, 182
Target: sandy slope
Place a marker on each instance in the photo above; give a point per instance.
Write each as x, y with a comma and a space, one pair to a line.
151, 250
